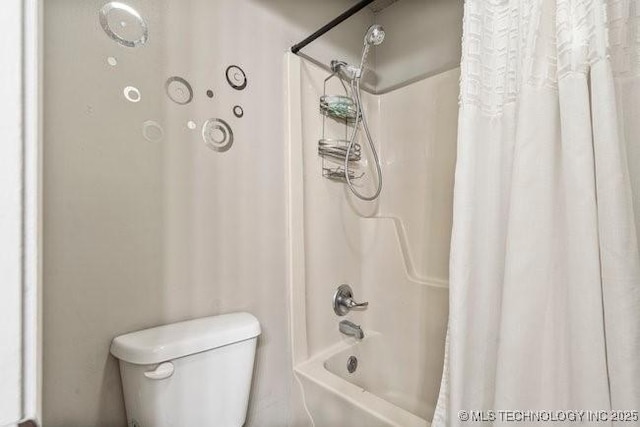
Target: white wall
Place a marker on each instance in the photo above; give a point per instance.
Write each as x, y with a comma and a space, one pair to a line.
418, 133
11, 215
20, 209
138, 233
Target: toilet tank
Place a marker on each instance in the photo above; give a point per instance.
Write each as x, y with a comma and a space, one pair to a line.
192, 373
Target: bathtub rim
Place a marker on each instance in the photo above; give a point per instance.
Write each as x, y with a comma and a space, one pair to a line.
314, 370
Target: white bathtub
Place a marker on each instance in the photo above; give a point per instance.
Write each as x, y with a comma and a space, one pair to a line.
387, 388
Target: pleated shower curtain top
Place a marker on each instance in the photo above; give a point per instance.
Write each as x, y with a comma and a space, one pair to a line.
545, 268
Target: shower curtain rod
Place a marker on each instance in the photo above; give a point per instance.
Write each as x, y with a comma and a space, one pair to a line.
351, 11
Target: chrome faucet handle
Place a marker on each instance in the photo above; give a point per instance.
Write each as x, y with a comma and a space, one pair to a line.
349, 302
343, 301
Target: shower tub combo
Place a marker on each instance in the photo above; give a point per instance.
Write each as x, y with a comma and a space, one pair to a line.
393, 251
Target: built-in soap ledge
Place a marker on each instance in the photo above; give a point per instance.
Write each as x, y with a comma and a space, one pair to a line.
388, 233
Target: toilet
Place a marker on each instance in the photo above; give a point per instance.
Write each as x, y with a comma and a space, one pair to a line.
192, 373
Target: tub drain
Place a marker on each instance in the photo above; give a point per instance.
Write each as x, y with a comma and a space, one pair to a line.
352, 364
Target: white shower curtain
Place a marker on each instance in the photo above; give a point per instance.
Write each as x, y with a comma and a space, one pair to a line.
545, 268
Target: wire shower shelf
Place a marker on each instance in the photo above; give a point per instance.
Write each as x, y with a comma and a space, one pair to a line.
343, 109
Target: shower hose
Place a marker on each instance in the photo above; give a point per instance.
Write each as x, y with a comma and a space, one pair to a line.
355, 88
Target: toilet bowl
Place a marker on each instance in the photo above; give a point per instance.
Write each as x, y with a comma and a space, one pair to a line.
192, 373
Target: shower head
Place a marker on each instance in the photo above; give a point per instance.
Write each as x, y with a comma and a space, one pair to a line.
375, 35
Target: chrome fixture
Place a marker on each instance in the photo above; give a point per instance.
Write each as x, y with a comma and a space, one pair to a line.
374, 36
343, 301
352, 364
347, 71
333, 148
341, 109
336, 65
351, 329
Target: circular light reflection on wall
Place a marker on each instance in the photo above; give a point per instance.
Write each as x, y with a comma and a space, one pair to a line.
238, 111
236, 77
123, 24
152, 131
217, 134
179, 90
132, 94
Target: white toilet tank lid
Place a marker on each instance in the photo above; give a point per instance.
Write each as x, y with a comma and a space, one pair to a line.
168, 342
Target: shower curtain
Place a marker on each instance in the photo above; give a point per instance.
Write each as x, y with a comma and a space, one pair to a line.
545, 269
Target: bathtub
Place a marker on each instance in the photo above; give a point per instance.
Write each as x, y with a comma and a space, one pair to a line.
399, 395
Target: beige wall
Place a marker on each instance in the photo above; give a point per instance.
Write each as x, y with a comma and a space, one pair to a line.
138, 234
423, 38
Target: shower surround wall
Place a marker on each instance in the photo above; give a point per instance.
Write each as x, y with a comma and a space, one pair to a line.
423, 39
393, 252
140, 233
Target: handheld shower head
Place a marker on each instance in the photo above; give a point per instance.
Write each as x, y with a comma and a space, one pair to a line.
375, 35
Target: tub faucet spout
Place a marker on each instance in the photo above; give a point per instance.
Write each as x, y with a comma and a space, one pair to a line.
351, 329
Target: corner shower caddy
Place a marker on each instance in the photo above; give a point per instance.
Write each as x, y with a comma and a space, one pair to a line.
333, 151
